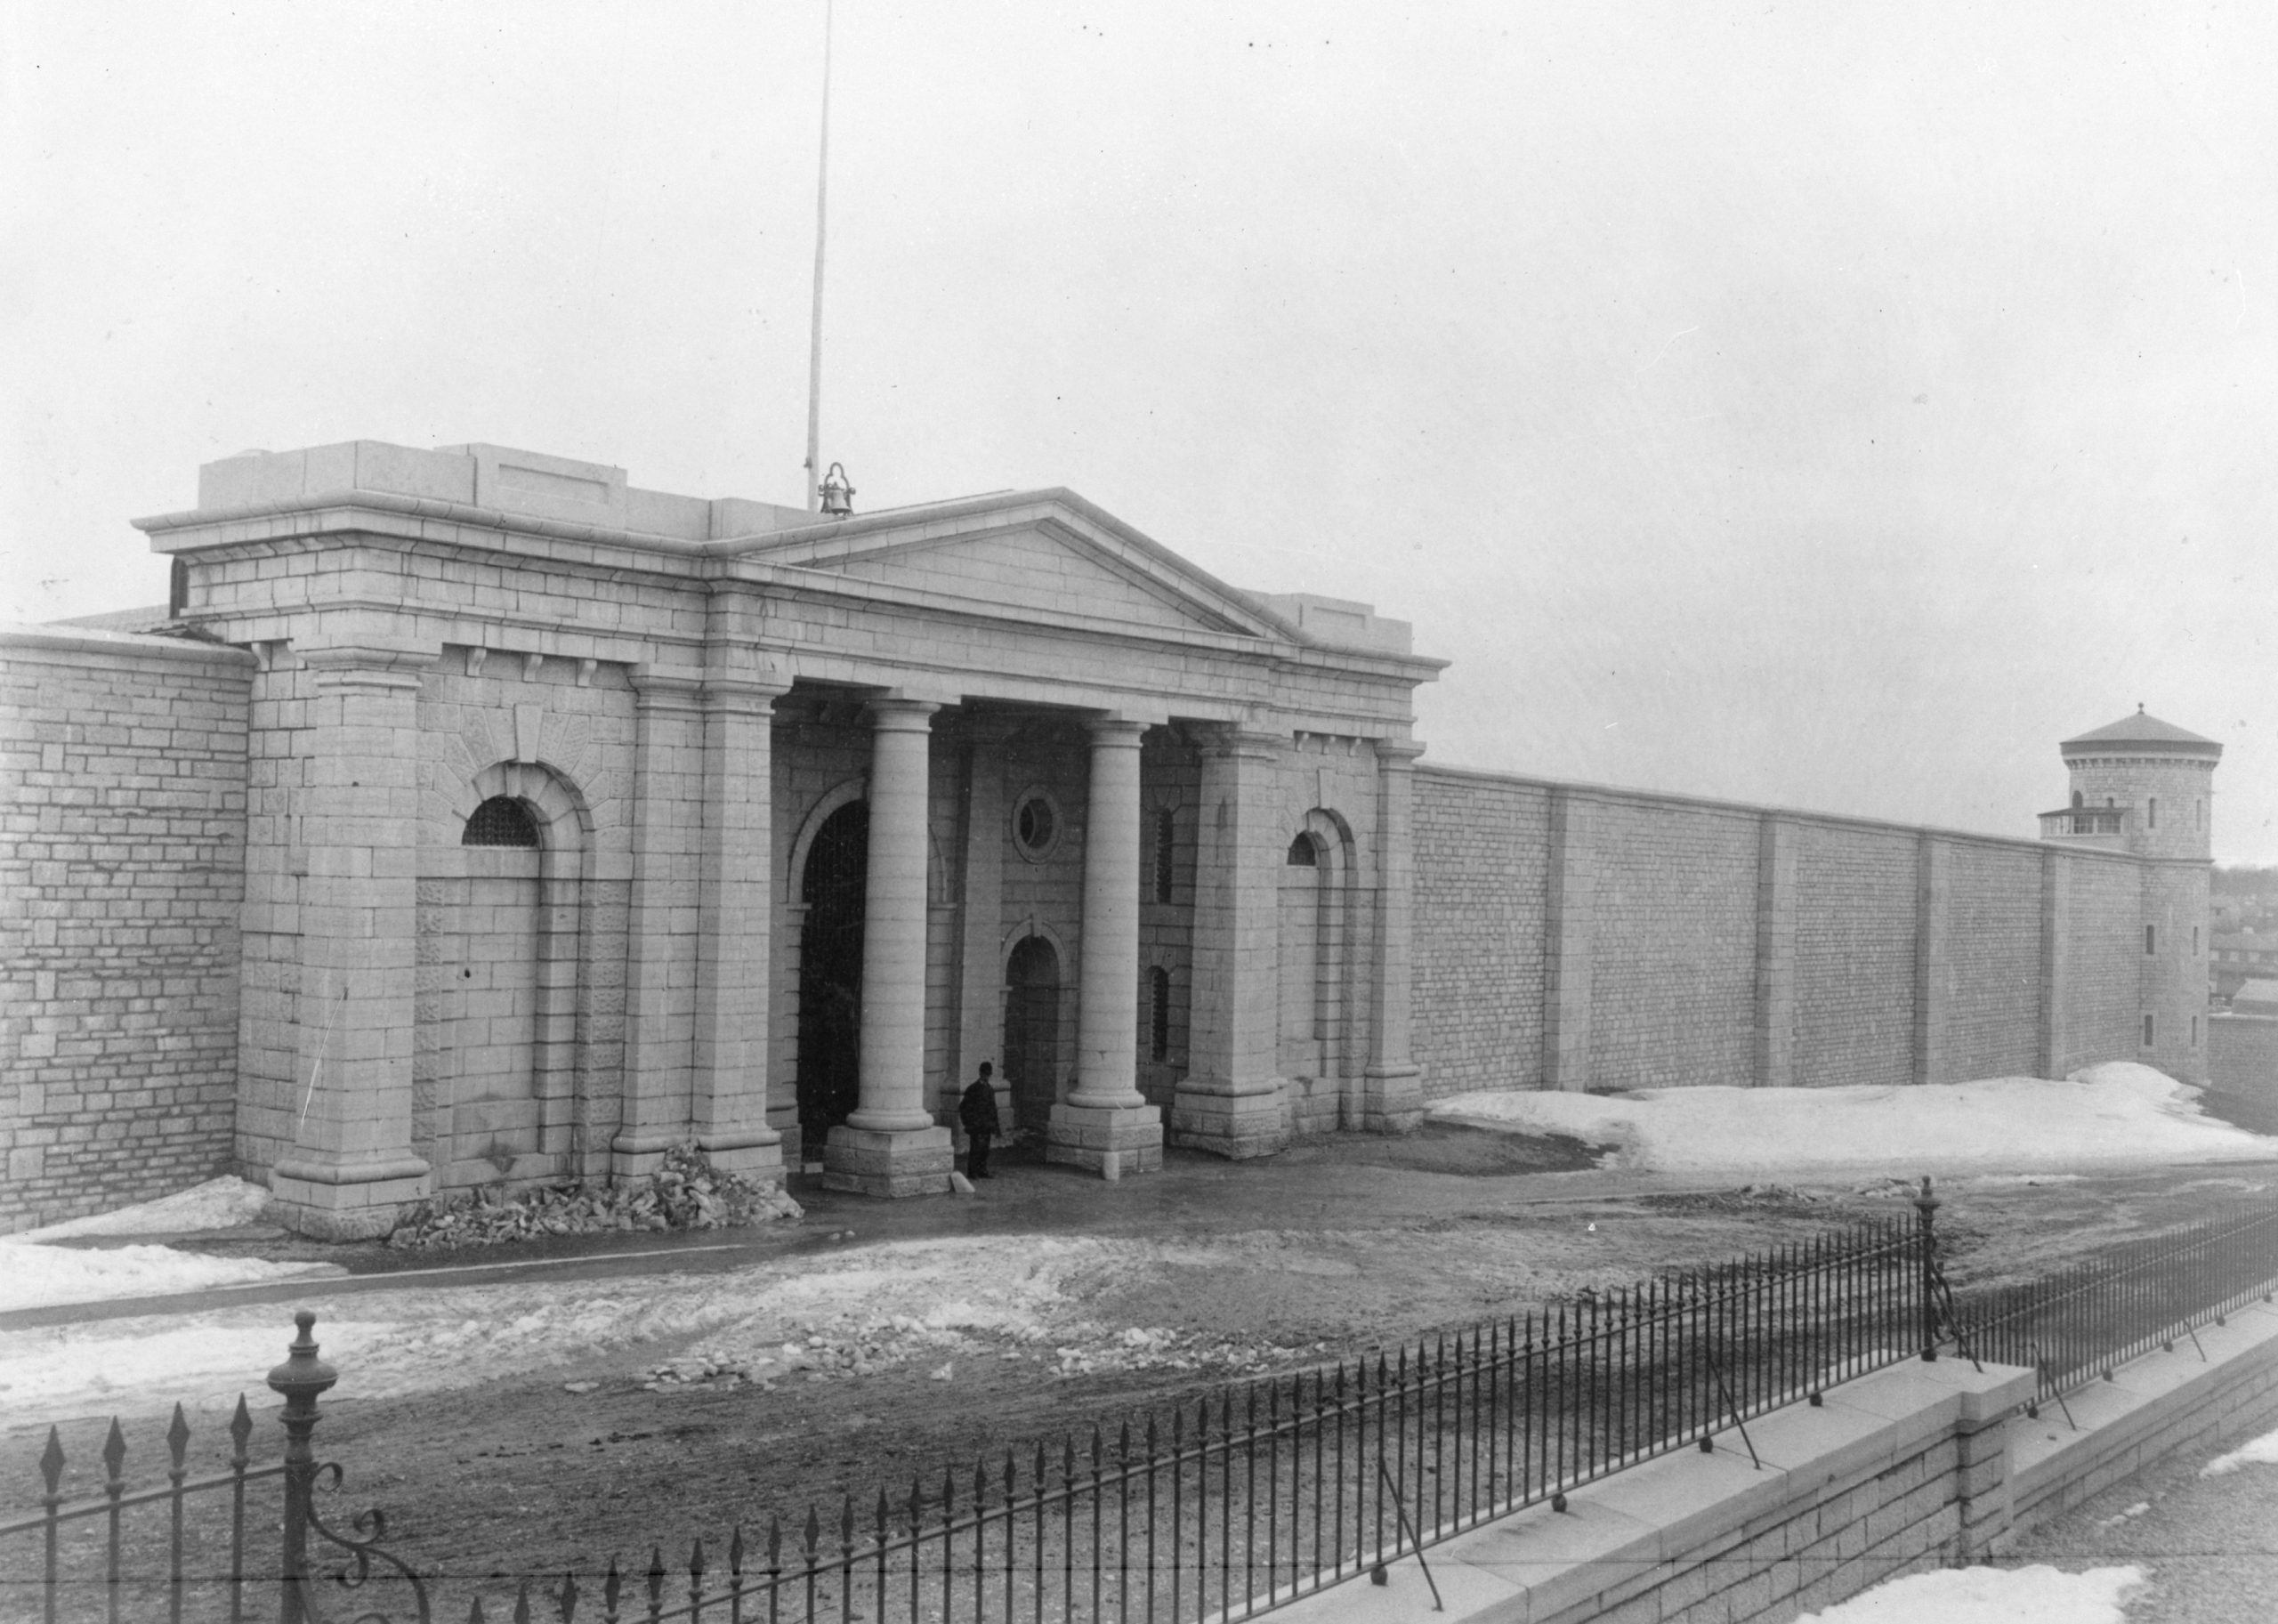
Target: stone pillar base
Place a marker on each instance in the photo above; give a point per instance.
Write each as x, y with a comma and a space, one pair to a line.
1390, 1100
747, 1154
1236, 1120
351, 1201
638, 1156
1111, 1140
902, 1162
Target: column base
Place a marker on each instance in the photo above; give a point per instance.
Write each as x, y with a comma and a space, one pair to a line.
1236, 1119
752, 1153
637, 1156
1111, 1140
901, 1162
359, 1200
1390, 1100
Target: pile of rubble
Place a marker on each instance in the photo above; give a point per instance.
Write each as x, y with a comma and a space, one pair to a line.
686, 1193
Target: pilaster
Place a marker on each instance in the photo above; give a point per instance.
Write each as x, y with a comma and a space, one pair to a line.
728, 1099
1932, 959
1391, 1086
1232, 1101
981, 970
1567, 955
1775, 954
2055, 1044
351, 1169
662, 957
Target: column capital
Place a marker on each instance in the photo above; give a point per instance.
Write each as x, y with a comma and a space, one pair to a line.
1242, 740
373, 662
1396, 755
896, 713
655, 685
1114, 730
742, 695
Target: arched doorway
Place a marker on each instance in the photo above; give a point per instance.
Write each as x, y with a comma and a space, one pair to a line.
834, 888
1032, 1031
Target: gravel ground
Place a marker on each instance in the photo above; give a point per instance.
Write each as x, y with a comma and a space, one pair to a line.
2210, 1544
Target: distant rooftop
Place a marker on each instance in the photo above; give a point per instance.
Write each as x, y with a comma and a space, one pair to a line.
2141, 729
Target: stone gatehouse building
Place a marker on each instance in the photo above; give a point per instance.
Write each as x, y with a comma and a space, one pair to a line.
474, 815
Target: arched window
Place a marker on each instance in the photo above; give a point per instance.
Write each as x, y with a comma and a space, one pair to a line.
1159, 1014
1303, 854
1166, 848
500, 822
2154, 821
2077, 798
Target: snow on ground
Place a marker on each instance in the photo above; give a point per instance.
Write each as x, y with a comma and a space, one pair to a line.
1010, 1298
37, 1276
218, 1203
1991, 1595
2262, 1451
2120, 1114
45, 1276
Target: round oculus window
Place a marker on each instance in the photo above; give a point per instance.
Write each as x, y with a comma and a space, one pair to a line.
1036, 825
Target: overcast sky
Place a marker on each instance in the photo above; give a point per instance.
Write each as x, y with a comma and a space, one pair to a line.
1827, 406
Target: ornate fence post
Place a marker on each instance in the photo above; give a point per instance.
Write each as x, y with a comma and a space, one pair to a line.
1926, 1205
300, 1379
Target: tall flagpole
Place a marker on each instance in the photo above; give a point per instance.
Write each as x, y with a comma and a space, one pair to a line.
814, 350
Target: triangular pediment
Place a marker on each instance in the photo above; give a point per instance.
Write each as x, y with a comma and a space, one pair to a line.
1037, 558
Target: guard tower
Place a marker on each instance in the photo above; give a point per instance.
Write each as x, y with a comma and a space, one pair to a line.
2146, 786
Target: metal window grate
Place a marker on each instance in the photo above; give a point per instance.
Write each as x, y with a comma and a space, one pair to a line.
1166, 848
1303, 854
500, 822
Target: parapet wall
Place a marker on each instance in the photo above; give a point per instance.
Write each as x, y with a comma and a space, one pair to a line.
122, 866
1571, 936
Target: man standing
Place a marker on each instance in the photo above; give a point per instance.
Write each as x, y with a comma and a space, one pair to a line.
977, 1114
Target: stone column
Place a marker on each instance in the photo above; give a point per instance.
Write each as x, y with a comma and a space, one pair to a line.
1932, 961
1105, 1122
728, 1099
1775, 954
1568, 956
1232, 1100
349, 1169
661, 930
1391, 1095
890, 1146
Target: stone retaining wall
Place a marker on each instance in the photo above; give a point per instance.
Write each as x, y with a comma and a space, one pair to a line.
122, 867
1572, 937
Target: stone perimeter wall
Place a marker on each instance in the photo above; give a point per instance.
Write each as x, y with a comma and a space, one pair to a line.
122, 868
1573, 937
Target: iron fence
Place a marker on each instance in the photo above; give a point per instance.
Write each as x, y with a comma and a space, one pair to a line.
2085, 1320
1200, 1512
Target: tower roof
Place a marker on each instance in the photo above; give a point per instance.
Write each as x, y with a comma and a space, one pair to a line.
2144, 732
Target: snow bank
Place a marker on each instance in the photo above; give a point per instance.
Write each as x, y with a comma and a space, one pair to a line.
218, 1203
46, 1276
2262, 1451
2116, 1114
1991, 1596
1007, 1297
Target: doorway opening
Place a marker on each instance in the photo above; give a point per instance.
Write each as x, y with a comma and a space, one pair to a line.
835, 889
1032, 1031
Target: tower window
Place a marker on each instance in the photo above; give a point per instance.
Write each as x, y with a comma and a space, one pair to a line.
2078, 799
500, 822
2147, 1031
2151, 815
1302, 854
2151, 939
2198, 814
2194, 1031
1166, 848
1159, 1014
2195, 942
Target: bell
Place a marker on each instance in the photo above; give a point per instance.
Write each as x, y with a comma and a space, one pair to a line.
838, 495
